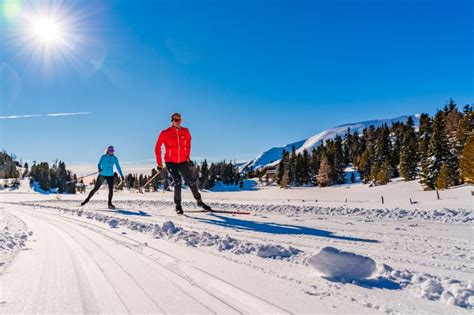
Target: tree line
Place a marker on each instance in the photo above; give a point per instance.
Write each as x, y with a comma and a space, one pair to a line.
47, 177
207, 176
440, 152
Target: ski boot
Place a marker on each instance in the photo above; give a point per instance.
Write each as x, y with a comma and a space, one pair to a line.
203, 205
179, 209
111, 206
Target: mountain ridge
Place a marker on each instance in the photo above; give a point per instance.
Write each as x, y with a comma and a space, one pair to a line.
272, 156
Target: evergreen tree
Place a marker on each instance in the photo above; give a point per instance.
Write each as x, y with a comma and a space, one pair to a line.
467, 109
282, 166
467, 160
424, 136
383, 175
374, 172
306, 167
212, 175
397, 138
62, 177
43, 176
365, 166
292, 166
382, 145
339, 164
204, 178
438, 152
314, 165
465, 128
324, 176
442, 180
409, 152
347, 147
358, 147
25, 171
299, 170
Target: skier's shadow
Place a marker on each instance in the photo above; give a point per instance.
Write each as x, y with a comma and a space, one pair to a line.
275, 228
128, 212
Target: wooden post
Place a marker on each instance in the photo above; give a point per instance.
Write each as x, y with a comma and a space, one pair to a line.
437, 194
382, 200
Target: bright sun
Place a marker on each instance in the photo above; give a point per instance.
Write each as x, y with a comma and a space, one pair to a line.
52, 33
46, 30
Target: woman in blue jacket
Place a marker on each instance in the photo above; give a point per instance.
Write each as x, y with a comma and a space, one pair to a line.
106, 173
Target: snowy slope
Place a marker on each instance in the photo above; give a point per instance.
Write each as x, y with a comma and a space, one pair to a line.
273, 155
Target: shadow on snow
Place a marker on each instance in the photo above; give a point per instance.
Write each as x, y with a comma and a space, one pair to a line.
379, 283
275, 228
128, 212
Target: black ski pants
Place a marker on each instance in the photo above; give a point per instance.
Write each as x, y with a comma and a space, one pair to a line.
100, 180
178, 170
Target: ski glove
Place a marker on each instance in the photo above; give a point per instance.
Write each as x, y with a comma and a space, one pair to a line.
159, 168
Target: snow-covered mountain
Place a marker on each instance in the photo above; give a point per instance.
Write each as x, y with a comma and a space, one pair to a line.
273, 155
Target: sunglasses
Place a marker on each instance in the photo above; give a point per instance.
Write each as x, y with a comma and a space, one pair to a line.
111, 150
177, 119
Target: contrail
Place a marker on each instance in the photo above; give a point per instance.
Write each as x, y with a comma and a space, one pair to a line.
44, 115
67, 114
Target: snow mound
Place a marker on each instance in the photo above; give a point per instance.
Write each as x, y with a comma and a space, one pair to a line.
168, 227
276, 251
334, 263
113, 223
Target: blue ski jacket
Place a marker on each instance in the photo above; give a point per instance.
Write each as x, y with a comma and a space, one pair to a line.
106, 165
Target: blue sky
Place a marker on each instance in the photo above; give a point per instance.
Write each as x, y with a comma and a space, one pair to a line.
246, 75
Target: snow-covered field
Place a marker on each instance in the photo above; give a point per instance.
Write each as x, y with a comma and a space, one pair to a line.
305, 250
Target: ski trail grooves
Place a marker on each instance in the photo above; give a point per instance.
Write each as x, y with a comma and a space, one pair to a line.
221, 296
56, 275
115, 259
242, 300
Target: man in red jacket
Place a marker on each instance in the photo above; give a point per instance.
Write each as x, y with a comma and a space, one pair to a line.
177, 141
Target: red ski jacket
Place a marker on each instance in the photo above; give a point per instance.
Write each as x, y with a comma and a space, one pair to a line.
177, 144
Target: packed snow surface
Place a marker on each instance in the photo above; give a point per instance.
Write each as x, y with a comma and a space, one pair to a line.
335, 263
143, 258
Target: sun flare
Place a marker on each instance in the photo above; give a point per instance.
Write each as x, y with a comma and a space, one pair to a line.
46, 30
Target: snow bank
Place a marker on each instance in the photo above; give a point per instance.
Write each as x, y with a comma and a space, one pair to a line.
334, 263
440, 215
445, 290
13, 237
169, 230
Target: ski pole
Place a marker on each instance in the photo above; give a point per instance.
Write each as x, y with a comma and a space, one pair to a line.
120, 184
140, 190
75, 180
